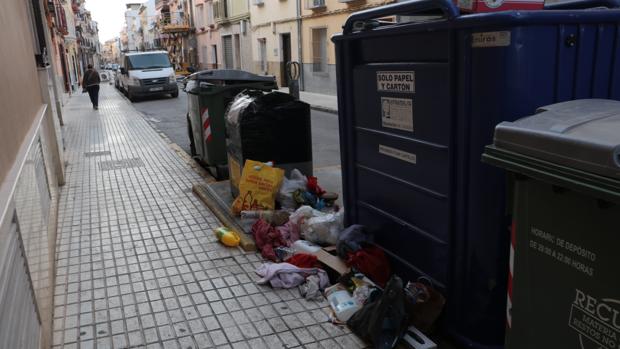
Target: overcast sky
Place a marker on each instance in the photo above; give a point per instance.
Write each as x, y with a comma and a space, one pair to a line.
110, 16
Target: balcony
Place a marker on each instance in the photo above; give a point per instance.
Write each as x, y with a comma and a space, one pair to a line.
170, 24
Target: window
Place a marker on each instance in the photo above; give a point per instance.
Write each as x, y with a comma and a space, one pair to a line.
262, 54
228, 52
210, 19
148, 61
319, 50
38, 34
315, 4
200, 16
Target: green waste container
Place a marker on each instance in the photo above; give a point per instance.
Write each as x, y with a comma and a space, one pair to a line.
564, 161
209, 94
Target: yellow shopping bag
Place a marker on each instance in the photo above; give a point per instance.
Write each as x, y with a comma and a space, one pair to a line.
258, 187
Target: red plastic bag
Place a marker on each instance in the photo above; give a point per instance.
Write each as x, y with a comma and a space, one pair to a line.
371, 261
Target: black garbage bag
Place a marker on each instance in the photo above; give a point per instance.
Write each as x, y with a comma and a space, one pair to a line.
382, 322
352, 240
269, 127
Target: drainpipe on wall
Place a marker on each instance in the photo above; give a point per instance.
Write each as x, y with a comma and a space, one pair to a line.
299, 47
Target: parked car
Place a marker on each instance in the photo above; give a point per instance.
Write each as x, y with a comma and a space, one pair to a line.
146, 73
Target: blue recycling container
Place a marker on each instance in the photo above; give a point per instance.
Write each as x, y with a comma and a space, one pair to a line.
418, 101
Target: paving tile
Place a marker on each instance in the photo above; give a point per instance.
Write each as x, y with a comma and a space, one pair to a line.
218, 337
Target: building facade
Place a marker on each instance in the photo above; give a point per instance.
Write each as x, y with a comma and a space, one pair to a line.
31, 166
321, 19
233, 19
147, 29
132, 27
175, 31
110, 52
275, 37
208, 40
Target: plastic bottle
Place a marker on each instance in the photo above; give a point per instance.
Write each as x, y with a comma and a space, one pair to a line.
343, 304
227, 236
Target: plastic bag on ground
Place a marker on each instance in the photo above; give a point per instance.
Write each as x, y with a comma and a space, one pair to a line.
323, 229
318, 227
297, 181
258, 187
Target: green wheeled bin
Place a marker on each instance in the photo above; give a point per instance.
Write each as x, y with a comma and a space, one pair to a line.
209, 94
564, 285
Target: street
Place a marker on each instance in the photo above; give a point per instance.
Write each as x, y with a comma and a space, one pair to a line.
168, 115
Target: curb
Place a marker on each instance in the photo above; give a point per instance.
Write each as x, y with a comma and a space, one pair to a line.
324, 109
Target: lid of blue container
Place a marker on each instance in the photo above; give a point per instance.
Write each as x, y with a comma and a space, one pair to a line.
582, 134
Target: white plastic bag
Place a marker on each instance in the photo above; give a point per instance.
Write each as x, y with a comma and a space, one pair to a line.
323, 229
238, 105
289, 186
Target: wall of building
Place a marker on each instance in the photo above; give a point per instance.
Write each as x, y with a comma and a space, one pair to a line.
207, 36
332, 17
245, 44
237, 8
275, 54
269, 21
17, 116
31, 167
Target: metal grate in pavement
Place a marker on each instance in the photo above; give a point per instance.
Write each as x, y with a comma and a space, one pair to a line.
97, 153
120, 164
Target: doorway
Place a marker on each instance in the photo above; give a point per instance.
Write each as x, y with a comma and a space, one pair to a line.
65, 72
286, 57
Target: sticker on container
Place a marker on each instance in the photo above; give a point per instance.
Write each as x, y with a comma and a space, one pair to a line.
595, 320
397, 113
493, 3
397, 153
396, 81
490, 39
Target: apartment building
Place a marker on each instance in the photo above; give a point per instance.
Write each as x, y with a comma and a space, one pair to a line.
208, 40
276, 28
233, 19
31, 168
175, 27
132, 26
321, 19
147, 30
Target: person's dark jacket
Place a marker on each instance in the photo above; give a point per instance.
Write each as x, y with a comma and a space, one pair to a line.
91, 77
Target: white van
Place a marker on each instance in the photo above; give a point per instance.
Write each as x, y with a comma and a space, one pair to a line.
147, 73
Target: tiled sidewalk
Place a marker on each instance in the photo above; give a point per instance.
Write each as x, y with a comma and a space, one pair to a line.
137, 263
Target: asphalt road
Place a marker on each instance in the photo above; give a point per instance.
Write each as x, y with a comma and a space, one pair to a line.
168, 115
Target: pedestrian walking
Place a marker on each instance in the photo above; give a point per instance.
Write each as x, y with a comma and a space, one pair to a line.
91, 84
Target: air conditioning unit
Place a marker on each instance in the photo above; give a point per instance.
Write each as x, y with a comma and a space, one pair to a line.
315, 4
258, 2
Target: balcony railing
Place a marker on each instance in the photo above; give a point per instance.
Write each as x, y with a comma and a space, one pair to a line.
169, 23
61, 19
